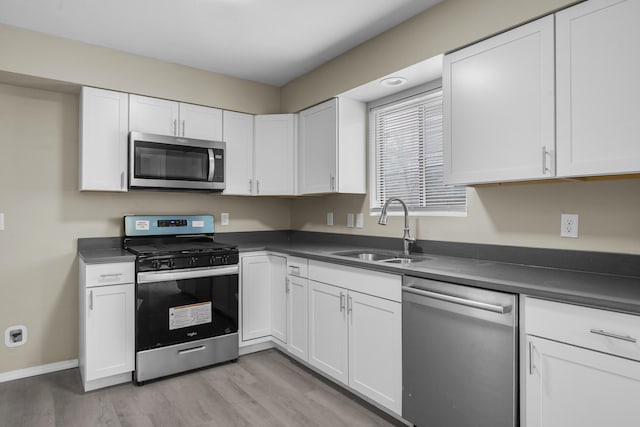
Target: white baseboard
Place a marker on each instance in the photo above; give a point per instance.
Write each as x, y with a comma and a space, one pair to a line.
38, 370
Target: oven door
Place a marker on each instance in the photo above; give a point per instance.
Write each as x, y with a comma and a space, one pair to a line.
158, 161
185, 305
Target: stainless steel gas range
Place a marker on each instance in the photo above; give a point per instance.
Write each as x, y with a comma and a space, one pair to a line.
186, 294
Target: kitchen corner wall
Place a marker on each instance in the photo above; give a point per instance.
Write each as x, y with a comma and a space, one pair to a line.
45, 214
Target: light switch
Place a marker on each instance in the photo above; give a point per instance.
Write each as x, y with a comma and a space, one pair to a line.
349, 220
359, 220
1, 221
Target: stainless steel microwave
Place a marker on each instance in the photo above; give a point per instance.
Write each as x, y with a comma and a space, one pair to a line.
175, 163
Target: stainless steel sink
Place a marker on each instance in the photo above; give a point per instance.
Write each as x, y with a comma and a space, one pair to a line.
386, 257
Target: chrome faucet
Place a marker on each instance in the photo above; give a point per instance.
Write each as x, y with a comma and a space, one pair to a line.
407, 240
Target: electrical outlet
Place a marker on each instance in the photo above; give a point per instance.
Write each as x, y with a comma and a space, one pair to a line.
329, 218
224, 218
569, 225
15, 336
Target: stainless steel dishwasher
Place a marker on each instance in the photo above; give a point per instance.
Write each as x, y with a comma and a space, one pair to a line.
459, 355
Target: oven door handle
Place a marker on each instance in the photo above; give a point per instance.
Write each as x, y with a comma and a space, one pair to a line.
164, 276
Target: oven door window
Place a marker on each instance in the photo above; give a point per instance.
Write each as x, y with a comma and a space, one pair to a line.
171, 162
179, 311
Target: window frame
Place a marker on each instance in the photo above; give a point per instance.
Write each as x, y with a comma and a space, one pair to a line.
395, 209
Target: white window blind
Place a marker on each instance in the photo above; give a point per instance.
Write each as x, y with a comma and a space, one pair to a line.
407, 145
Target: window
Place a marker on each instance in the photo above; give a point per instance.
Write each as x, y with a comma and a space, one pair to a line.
406, 139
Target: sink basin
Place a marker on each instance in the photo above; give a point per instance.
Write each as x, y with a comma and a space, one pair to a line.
386, 257
368, 256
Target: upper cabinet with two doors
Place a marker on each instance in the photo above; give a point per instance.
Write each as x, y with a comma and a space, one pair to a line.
261, 154
164, 117
554, 98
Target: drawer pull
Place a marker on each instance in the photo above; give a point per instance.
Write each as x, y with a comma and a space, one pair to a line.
191, 350
104, 276
612, 335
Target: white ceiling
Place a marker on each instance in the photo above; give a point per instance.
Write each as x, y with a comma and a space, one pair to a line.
269, 41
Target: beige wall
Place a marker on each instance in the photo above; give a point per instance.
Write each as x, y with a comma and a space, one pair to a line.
446, 26
517, 215
34, 54
45, 214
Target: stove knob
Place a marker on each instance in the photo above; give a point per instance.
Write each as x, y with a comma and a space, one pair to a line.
193, 260
171, 263
155, 264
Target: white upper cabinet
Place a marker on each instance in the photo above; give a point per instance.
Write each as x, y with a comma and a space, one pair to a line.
238, 134
598, 90
164, 117
153, 115
499, 107
104, 127
200, 122
332, 147
274, 154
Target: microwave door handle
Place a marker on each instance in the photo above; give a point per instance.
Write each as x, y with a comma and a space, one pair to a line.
212, 164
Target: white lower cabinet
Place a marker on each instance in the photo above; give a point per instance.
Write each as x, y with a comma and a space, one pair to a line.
263, 297
298, 317
357, 339
328, 335
106, 324
582, 366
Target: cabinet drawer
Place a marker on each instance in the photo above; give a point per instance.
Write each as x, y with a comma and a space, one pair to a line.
109, 274
383, 285
297, 266
600, 330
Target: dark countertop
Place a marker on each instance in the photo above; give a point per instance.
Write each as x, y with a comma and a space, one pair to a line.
597, 289
621, 293
104, 256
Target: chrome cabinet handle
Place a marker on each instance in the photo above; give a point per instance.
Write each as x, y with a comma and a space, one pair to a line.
91, 300
287, 288
175, 127
546, 153
349, 304
183, 131
532, 366
257, 186
457, 300
104, 276
341, 302
612, 335
250, 186
122, 187
332, 182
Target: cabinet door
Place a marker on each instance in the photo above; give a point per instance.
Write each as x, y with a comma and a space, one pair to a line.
274, 154
298, 317
499, 118
278, 297
238, 134
318, 134
256, 297
104, 128
153, 115
109, 323
375, 348
200, 122
328, 337
569, 386
598, 64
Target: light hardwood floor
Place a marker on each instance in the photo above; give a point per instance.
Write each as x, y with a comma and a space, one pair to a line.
261, 389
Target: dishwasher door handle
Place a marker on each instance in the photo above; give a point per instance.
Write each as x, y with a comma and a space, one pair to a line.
501, 309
